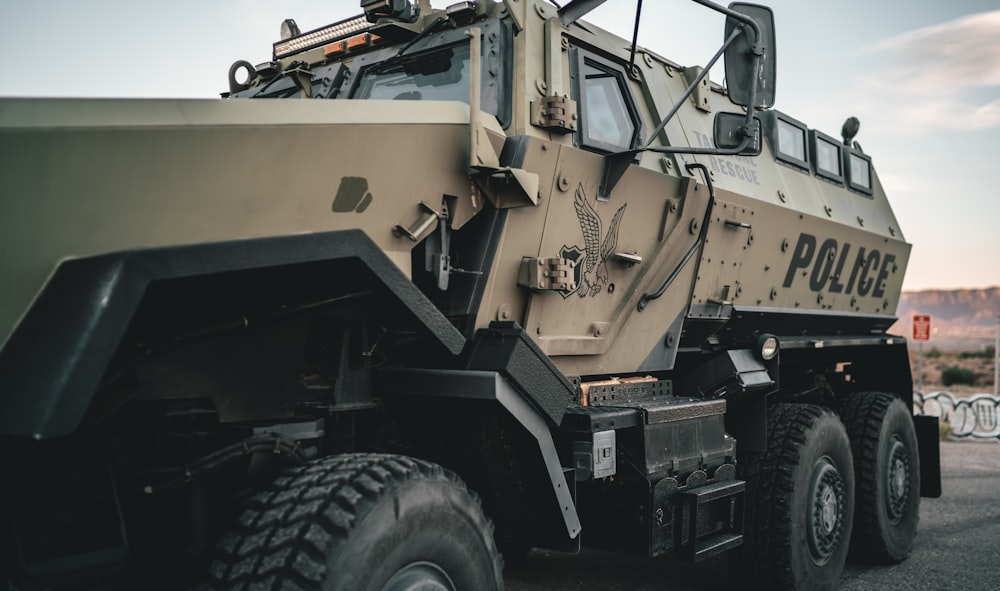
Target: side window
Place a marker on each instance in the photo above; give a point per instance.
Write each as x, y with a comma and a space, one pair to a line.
828, 156
609, 120
859, 173
787, 138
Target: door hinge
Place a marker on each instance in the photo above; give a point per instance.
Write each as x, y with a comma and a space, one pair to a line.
547, 274
555, 113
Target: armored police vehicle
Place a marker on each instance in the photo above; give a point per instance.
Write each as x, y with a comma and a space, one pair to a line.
481, 279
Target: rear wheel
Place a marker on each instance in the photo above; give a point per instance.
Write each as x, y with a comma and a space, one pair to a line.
362, 522
800, 501
887, 470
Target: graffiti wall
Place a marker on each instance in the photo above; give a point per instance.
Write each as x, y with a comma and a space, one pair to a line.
974, 417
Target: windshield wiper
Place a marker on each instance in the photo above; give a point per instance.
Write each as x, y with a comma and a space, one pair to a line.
422, 34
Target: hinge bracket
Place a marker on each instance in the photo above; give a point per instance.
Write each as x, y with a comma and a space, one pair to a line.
701, 95
555, 112
547, 274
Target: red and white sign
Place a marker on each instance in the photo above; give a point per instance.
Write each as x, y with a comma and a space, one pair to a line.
921, 327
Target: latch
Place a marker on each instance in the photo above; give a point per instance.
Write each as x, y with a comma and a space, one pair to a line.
428, 217
554, 274
438, 258
596, 459
629, 259
555, 112
723, 299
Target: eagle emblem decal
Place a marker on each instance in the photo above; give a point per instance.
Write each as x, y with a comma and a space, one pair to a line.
591, 273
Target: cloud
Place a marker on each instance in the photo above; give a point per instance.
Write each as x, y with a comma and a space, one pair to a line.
959, 53
945, 76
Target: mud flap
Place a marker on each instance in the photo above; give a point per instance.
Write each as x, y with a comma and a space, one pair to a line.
928, 442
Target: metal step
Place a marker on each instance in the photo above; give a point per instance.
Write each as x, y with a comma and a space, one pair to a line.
698, 534
716, 544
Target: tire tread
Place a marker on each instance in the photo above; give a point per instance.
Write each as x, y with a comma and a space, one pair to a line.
284, 534
863, 414
765, 554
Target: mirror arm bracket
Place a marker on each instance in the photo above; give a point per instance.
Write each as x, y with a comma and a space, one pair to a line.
691, 88
614, 165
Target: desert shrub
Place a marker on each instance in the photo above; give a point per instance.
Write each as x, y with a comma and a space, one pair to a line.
934, 353
945, 431
987, 353
958, 375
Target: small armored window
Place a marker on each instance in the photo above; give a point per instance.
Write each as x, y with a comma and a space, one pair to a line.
828, 156
609, 120
787, 138
606, 113
791, 141
860, 173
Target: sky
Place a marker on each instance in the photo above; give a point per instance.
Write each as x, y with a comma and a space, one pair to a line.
922, 76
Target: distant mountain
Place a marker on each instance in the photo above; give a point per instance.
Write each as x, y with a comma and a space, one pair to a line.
961, 319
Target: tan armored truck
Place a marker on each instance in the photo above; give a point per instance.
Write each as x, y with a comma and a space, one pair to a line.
486, 278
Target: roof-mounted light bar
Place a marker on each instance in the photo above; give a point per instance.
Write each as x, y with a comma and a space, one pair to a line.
321, 36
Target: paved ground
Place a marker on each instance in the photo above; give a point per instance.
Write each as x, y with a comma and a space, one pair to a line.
957, 548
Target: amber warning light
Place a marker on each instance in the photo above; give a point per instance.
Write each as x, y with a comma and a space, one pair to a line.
351, 43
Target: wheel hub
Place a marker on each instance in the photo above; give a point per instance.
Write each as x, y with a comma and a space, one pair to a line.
826, 520
897, 479
828, 509
420, 576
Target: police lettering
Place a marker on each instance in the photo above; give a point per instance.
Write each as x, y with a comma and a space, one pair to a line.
868, 272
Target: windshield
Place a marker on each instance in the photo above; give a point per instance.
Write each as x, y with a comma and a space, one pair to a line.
441, 75
435, 68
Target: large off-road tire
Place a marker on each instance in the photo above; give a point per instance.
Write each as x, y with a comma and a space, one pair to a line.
887, 472
800, 502
361, 522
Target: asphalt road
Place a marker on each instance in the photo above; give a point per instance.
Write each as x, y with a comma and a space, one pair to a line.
957, 547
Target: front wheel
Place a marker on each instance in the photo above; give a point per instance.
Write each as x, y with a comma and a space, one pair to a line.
362, 522
887, 468
800, 501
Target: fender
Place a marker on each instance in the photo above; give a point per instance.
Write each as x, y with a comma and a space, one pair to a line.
503, 365
483, 385
51, 366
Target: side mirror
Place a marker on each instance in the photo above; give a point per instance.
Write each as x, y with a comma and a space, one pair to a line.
750, 60
729, 133
750, 73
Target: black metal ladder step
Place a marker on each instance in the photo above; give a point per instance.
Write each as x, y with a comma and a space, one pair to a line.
716, 490
716, 544
724, 498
